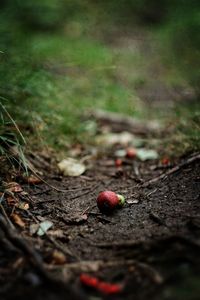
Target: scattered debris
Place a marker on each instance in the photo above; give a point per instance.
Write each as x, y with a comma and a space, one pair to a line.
133, 201
1, 197
18, 220
12, 187
145, 154
120, 153
136, 168
157, 219
33, 228
27, 249
40, 228
123, 138
58, 233
107, 201
75, 219
43, 227
173, 170
133, 124
131, 153
58, 258
71, 167
12, 201
23, 205
32, 179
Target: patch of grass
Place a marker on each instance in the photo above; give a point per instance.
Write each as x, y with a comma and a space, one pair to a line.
57, 79
11, 139
51, 77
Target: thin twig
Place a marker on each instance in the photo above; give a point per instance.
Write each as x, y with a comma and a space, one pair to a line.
96, 265
21, 244
157, 219
171, 171
36, 260
147, 244
55, 188
86, 193
64, 250
44, 181
6, 216
42, 192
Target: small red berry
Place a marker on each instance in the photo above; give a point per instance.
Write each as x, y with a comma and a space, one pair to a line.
165, 161
131, 153
101, 286
118, 162
107, 201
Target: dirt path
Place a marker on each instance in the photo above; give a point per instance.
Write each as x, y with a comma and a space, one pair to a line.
150, 247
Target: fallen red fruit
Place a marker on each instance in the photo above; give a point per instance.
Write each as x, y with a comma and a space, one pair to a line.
118, 162
101, 286
165, 161
89, 281
107, 201
109, 288
131, 153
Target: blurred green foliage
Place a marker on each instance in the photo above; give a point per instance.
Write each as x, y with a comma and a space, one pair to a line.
181, 39
55, 62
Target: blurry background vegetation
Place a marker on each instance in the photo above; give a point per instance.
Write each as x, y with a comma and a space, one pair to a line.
59, 57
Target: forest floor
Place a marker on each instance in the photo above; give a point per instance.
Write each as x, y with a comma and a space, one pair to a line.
149, 248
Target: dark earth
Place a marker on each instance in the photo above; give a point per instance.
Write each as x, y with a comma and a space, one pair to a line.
150, 246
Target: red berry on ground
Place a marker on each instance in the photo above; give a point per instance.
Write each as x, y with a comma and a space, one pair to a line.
131, 153
165, 161
118, 162
107, 201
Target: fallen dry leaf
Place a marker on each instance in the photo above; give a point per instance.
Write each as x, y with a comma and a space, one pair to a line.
71, 167
123, 138
58, 233
40, 228
11, 201
120, 153
23, 205
18, 220
13, 187
146, 154
33, 228
43, 227
58, 258
32, 179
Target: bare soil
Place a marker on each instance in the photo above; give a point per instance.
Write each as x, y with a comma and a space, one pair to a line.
150, 246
